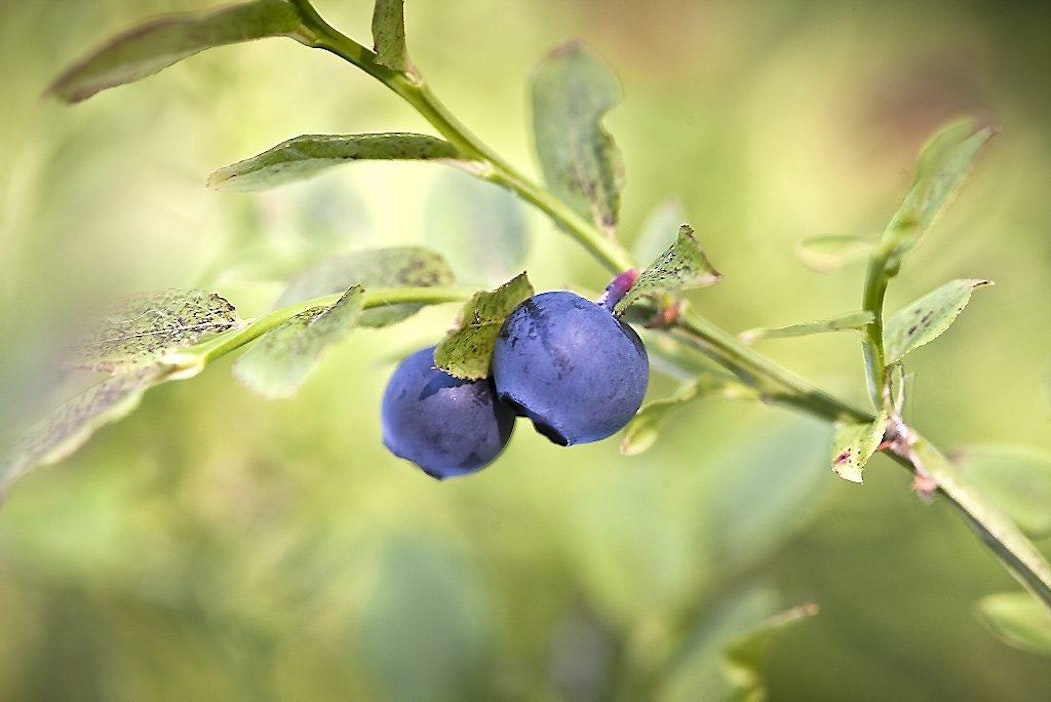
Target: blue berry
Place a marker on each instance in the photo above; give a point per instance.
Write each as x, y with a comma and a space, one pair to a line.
446, 426
570, 366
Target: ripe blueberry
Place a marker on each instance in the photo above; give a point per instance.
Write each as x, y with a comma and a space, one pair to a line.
446, 426
570, 366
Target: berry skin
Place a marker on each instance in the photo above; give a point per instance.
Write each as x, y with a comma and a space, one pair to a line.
570, 366
446, 426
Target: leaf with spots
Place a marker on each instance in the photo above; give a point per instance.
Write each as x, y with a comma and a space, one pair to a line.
72, 423
572, 91
854, 444
1019, 620
927, 318
394, 267
855, 321
277, 364
154, 46
682, 266
145, 329
466, 351
305, 156
388, 35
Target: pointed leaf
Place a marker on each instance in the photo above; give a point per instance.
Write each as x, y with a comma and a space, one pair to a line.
682, 266
1016, 480
855, 321
940, 170
143, 51
466, 352
854, 444
144, 329
746, 655
926, 319
276, 365
1019, 620
402, 266
306, 156
388, 35
571, 92
71, 424
827, 253
644, 427
653, 237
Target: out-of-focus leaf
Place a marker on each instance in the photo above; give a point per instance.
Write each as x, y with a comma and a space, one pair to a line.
662, 221
307, 155
72, 423
423, 630
927, 318
643, 429
388, 35
401, 266
746, 655
276, 365
466, 352
1017, 480
854, 321
1019, 620
145, 50
144, 329
478, 226
827, 253
683, 265
853, 446
940, 170
572, 90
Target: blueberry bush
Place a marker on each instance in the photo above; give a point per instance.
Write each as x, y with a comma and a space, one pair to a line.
577, 364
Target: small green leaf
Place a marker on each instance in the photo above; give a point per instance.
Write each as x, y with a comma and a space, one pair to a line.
827, 253
853, 445
571, 92
746, 655
145, 50
642, 430
144, 329
1015, 479
466, 352
72, 423
855, 321
653, 237
395, 267
306, 156
276, 365
927, 318
478, 226
388, 35
683, 265
940, 170
1019, 620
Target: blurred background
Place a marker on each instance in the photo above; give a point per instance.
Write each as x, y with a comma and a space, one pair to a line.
215, 545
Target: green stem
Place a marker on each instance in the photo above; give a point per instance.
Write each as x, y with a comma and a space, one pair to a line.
877, 277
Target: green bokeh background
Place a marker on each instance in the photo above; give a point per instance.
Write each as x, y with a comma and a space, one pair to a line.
218, 546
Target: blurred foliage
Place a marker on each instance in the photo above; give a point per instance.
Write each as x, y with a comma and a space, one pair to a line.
216, 546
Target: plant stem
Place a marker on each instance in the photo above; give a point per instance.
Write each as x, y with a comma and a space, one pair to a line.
876, 278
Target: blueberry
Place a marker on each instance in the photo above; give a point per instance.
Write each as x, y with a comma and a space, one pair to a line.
446, 426
570, 366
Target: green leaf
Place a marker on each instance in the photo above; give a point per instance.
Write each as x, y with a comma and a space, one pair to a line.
395, 267
855, 321
662, 220
466, 352
306, 156
72, 423
145, 329
478, 226
827, 253
145, 50
1015, 479
1019, 620
927, 318
388, 35
940, 170
276, 365
644, 427
854, 444
571, 92
683, 265
746, 655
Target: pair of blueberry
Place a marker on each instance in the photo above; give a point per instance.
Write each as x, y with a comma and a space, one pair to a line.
566, 363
